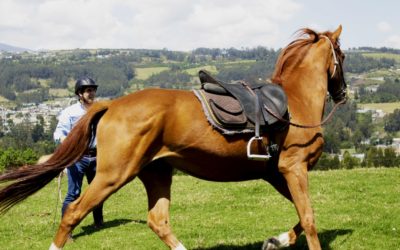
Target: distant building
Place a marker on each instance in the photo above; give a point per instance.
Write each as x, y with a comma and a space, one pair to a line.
396, 145
30, 112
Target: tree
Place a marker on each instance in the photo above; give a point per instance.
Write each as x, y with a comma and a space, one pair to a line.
377, 160
392, 121
327, 162
364, 122
332, 143
348, 161
389, 157
2, 127
21, 136
52, 126
370, 156
38, 130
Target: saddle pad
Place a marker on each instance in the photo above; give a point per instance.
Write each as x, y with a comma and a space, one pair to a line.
224, 113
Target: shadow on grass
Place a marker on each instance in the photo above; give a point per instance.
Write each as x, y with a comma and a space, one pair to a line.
88, 230
326, 238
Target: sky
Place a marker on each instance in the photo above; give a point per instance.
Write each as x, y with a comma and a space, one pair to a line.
184, 25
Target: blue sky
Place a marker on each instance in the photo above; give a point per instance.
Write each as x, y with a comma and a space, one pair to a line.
185, 25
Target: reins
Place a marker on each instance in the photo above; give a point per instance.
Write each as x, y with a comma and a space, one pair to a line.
327, 119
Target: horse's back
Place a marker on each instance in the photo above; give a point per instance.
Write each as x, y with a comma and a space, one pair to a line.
178, 109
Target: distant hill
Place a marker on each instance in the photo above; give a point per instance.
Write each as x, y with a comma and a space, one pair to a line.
9, 48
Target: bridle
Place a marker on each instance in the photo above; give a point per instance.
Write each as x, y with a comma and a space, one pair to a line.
339, 94
335, 60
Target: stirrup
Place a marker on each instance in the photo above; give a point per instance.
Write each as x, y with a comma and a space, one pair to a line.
256, 157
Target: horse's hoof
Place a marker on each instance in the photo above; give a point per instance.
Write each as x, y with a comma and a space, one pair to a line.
278, 242
271, 244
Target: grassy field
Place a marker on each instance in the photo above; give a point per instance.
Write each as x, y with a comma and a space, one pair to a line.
2, 99
386, 107
355, 209
242, 62
145, 73
59, 92
194, 71
383, 55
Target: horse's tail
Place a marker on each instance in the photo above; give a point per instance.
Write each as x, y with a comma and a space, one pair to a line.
27, 180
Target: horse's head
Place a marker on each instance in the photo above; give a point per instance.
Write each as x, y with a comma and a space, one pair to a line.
311, 54
336, 82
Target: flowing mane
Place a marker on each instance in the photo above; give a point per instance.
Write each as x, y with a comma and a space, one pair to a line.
294, 52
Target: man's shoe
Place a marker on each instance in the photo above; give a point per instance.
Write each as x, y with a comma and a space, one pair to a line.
98, 225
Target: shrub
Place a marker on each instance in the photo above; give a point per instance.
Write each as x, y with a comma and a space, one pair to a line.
11, 158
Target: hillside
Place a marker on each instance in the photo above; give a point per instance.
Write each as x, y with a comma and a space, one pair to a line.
27, 77
25, 72
8, 48
36, 85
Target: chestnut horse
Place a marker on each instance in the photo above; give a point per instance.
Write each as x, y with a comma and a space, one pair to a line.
149, 133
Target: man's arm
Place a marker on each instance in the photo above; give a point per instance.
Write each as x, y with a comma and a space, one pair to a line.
63, 128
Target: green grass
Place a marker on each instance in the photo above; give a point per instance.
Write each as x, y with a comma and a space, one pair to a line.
383, 55
244, 62
145, 73
3, 99
377, 76
59, 92
194, 71
386, 107
355, 209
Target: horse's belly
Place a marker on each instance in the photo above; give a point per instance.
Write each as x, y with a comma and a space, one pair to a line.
220, 169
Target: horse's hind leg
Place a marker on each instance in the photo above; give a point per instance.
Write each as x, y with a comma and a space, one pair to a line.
102, 186
157, 179
276, 179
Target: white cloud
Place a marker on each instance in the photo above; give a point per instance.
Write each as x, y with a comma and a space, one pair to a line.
384, 26
393, 41
172, 24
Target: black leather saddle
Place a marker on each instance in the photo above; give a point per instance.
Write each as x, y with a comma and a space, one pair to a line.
241, 107
256, 102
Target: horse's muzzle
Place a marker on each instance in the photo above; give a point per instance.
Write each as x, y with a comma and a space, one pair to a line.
340, 96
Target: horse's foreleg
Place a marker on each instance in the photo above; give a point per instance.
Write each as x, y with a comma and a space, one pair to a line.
276, 179
157, 179
297, 182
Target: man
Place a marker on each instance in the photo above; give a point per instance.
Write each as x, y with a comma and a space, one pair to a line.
85, 89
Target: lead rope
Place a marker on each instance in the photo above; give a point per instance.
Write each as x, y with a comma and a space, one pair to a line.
60, 176
59, 199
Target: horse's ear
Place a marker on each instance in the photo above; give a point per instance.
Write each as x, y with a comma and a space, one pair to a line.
337, 32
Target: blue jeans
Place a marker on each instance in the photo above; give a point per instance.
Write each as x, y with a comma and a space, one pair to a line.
85, 166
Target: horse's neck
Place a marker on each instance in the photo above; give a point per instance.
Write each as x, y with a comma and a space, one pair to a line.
306, 95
